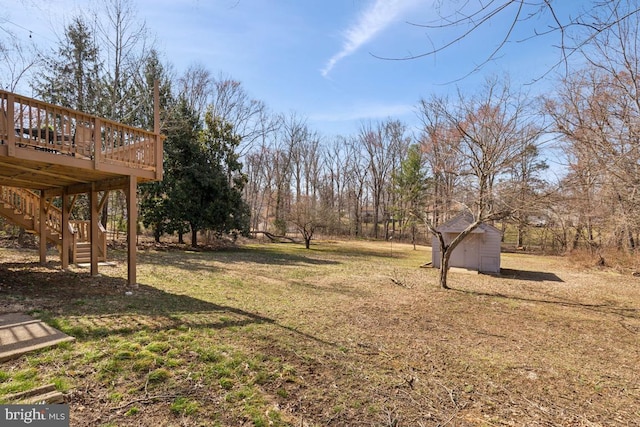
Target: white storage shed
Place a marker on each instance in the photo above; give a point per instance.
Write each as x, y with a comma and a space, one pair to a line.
479, 251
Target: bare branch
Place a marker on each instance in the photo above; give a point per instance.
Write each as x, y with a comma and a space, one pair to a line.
590, 20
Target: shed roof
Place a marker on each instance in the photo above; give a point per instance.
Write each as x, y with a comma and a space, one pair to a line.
460, 222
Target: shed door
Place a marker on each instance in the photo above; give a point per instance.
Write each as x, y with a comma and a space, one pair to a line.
466, 254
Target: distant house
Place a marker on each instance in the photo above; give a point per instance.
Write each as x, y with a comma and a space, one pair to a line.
479, 251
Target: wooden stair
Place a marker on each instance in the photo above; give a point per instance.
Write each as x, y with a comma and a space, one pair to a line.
22, 208
82, 253
27, 222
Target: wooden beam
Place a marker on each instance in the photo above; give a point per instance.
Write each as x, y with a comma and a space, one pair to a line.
104, 185
52, 158
156, 107
156, 130
44, 172
66, 234
132, 220
148, 174
24, 183
43, 228
95, 216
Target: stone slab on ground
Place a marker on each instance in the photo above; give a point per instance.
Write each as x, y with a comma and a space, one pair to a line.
462, 270
20, 333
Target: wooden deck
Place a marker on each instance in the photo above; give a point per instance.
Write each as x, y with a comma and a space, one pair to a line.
63, 152
43, 146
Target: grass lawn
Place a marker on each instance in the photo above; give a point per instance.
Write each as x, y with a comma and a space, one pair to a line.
344, 334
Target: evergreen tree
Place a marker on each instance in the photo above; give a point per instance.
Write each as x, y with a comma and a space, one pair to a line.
203, 182
226, 211
153, 70
72, 75
153, 202
182, 166
411, 183
153, 208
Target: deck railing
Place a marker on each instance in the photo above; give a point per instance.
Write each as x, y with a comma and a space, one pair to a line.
27, 203
29, 123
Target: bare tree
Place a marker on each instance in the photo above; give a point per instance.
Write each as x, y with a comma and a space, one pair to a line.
399, 144
334, 185
441, 144
307, 215
257, 191
524, 20
16, 60
490, 126
356, 177
303, 153
295, 134
195, 86
249, 117
125, 42
382, 144
524, 190
596, 112
259, 168
598, 123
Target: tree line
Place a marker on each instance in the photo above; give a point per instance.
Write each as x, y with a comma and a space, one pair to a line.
232, 166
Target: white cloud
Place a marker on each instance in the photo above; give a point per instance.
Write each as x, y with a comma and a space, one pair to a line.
364, 111
369, 23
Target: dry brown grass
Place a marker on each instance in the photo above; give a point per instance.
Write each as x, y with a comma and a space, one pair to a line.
346, 334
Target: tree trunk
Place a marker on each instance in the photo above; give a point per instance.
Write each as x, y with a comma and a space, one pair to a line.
413, 236
519, 237
180, 237
445, 254
447, 250
576, 238
157, 232
104, 216
194, 237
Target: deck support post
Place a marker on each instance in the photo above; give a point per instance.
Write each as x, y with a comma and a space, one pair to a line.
159, 152
66, 233
132, 221
42, 228
95, 217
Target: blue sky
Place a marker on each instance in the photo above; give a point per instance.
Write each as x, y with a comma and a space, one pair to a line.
318, 57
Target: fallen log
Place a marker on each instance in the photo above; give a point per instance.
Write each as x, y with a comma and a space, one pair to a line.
274, 238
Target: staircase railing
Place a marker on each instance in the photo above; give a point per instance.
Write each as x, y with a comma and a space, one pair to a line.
27, 203
82, 233
21, 200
